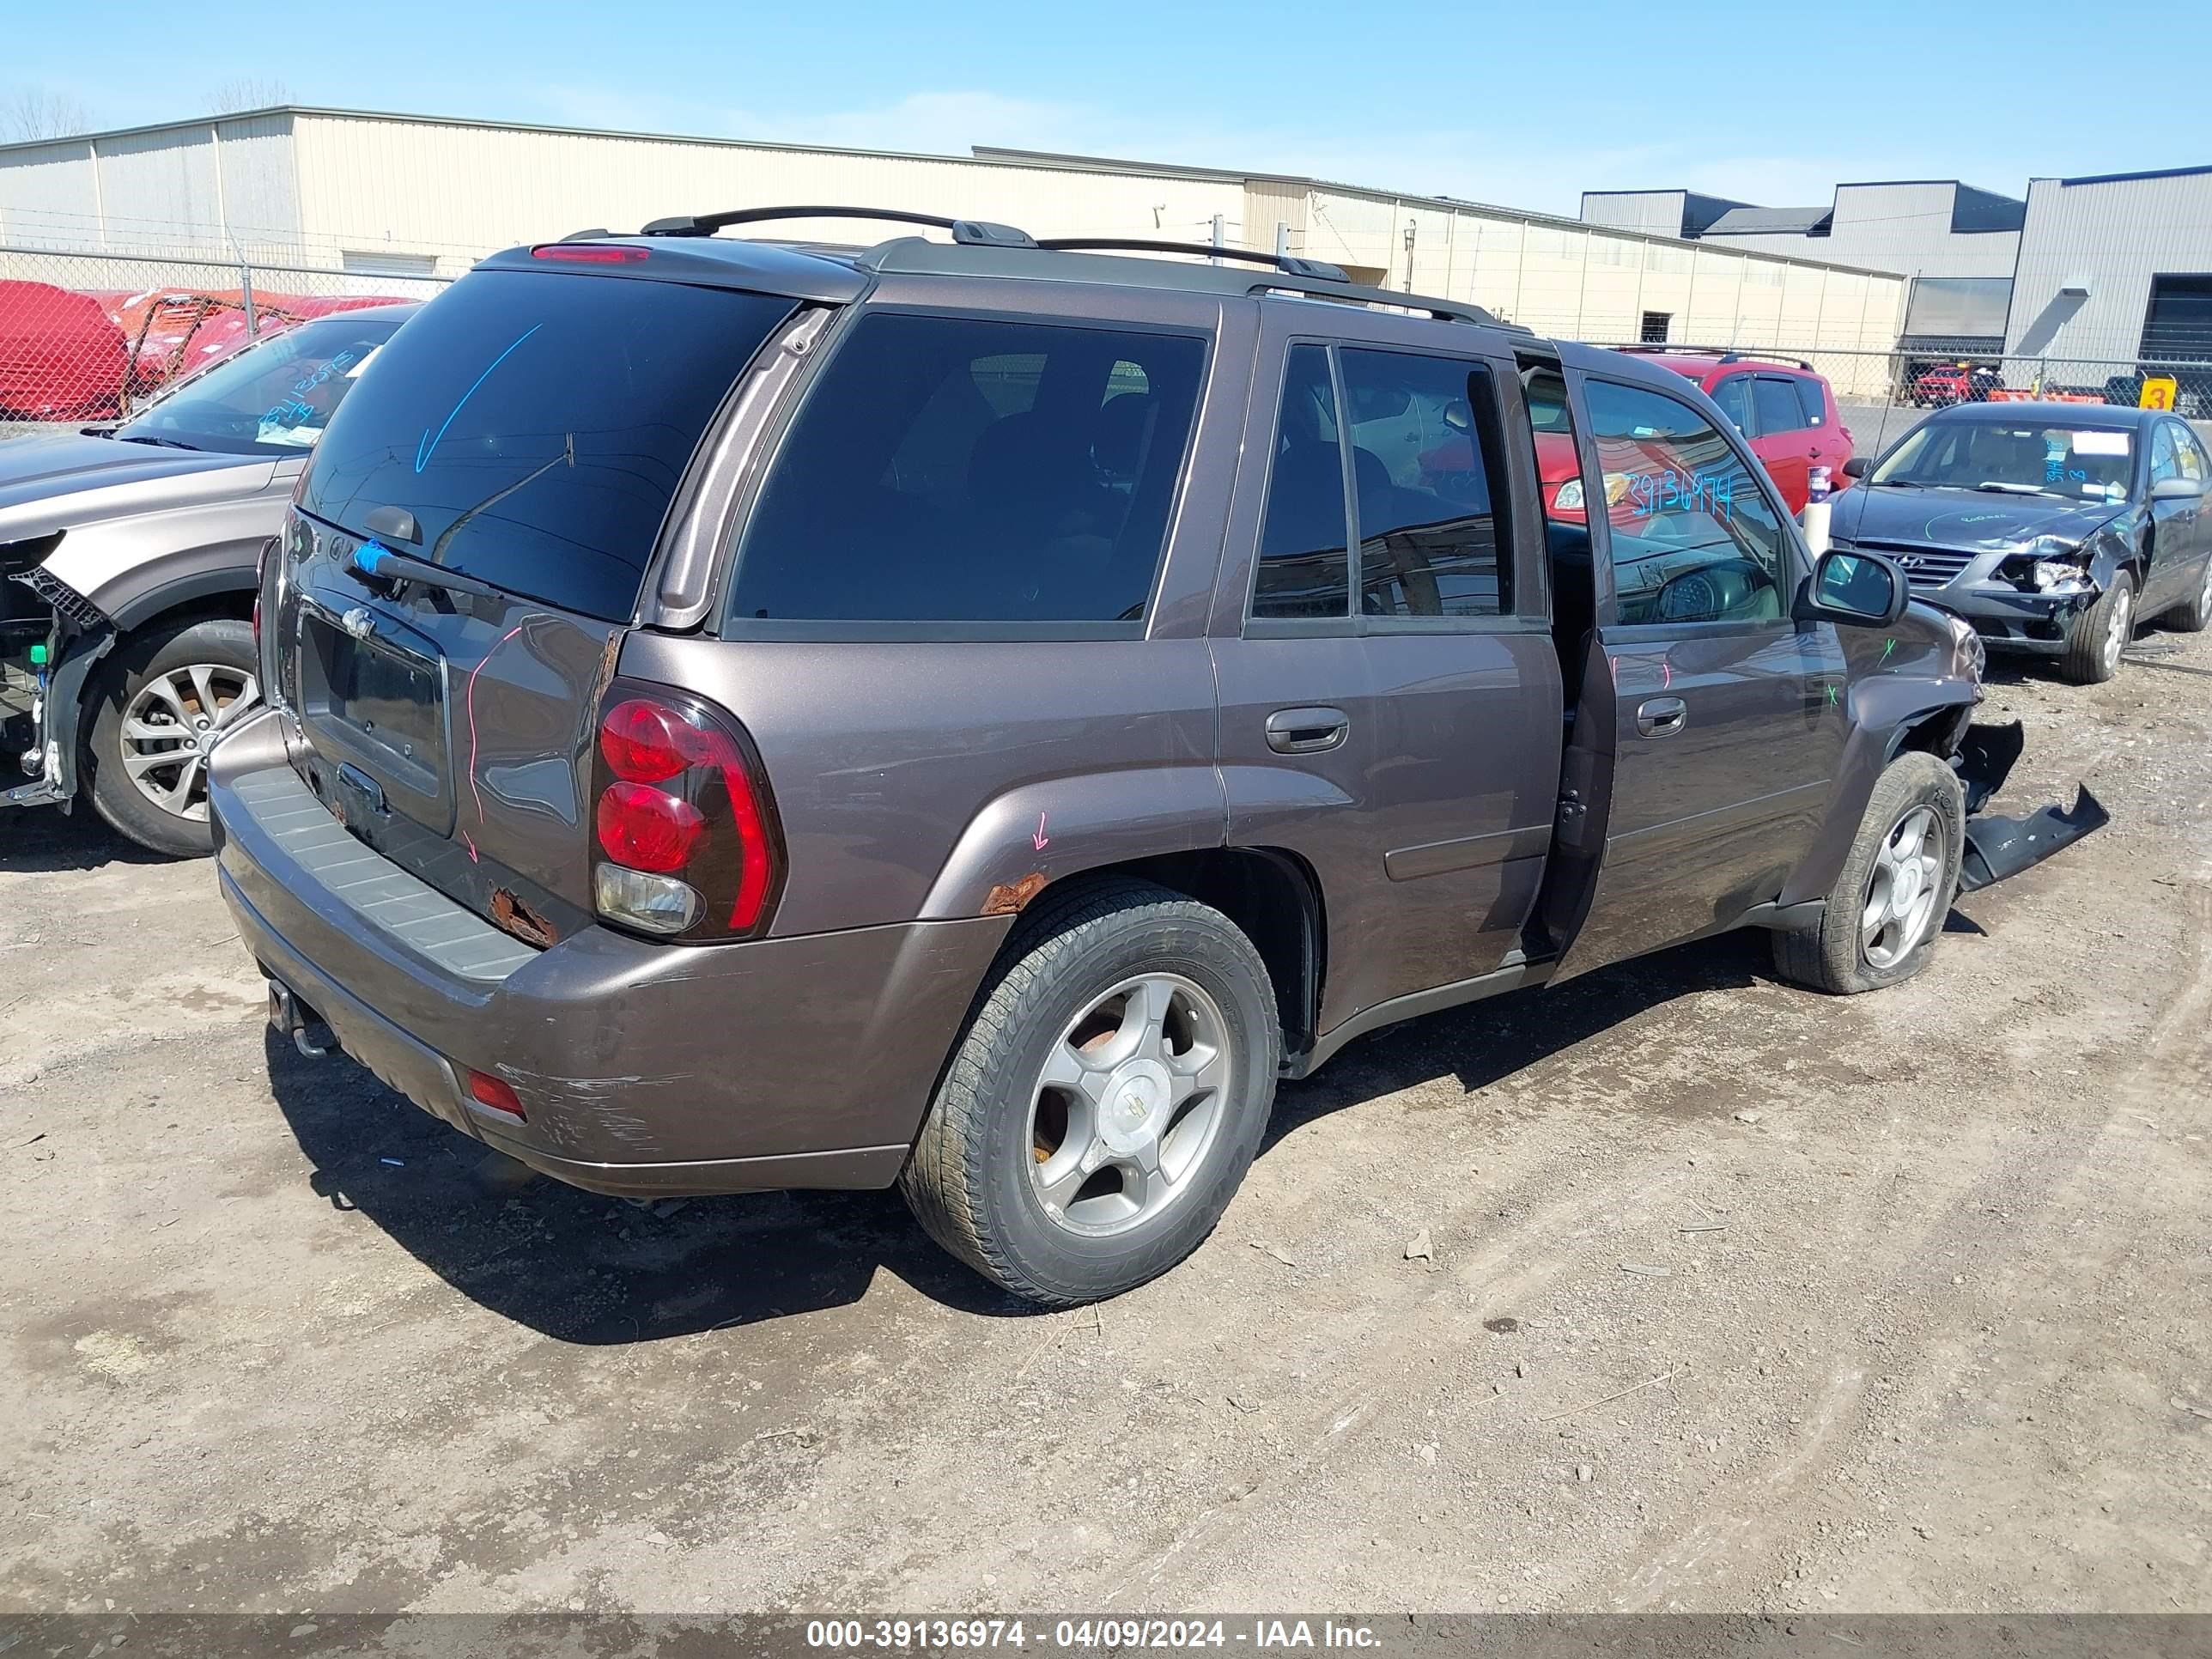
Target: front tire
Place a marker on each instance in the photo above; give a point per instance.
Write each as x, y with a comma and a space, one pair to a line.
2100, 634
169, 697
1887, 909
1106, 1100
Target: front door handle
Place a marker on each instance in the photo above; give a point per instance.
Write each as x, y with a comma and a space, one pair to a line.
1661, 717
1307, 730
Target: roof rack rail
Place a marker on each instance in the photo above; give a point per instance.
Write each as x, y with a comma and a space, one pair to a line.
975, 233
1720, 354
1319, 270
1445, 311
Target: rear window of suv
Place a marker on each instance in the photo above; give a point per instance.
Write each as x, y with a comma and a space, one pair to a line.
536, 426
974, 472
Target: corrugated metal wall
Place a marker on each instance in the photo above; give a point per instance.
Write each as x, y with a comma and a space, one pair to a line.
2111, 238
462, 190
1900, 227
319, 187
1659, 212
215, 188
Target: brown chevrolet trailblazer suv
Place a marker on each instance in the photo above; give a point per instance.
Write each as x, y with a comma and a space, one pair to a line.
974, 714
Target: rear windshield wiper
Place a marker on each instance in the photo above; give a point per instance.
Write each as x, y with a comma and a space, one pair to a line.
380, 563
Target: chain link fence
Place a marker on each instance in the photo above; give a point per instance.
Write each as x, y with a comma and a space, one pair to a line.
90, 337
1882, 394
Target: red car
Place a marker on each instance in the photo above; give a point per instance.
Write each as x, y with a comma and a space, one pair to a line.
1786, 407
94, 354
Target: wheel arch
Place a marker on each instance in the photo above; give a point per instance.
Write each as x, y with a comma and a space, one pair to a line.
1270, 894
1891, 715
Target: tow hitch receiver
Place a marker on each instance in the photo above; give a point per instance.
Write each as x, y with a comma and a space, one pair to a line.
299, 1022
1999, 847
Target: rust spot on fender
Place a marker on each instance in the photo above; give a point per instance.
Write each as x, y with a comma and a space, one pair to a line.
518, 919
1008, 896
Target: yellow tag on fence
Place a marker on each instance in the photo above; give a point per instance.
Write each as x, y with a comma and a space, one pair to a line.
2157, 393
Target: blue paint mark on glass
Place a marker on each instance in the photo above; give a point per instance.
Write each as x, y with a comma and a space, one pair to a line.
429, 439
1710, 493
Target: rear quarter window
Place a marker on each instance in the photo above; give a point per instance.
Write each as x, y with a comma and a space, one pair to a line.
536, 424
950, 472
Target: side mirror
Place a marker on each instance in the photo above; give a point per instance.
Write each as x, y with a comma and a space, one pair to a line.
1854, 590
2176, 489
1857, 467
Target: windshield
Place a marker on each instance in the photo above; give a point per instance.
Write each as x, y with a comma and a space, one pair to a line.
272, 398
535, 425
2007, 458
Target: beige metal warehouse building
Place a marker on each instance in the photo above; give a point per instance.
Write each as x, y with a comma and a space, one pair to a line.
383, 196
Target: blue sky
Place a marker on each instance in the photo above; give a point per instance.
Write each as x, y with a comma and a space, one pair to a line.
1524, 104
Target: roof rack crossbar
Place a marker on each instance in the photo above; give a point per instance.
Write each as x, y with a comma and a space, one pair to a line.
976, 232
1319, 270
1719, 353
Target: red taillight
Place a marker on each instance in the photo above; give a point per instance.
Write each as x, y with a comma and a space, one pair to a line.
687, 836
641, 742
641, 828
488, 1090
591, 253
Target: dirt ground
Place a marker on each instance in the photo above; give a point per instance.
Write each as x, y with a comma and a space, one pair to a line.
1739, 1297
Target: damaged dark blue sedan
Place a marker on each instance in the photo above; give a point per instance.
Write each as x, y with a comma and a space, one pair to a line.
2052, 528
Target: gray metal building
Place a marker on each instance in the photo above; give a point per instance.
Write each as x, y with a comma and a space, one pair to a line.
1958, 244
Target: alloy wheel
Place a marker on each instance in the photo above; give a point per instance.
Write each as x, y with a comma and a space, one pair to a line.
1902, 889
170, 728
2118, 634
1127, 1104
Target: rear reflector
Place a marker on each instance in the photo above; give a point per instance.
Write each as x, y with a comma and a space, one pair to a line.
487, 1090
591, 253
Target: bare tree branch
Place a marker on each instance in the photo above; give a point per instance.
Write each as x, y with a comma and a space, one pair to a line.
249, 92
27, 114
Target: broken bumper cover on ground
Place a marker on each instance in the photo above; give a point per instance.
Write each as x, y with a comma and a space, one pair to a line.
1999, 847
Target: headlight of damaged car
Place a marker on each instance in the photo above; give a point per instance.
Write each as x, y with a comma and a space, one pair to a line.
1969, 656
2056, 567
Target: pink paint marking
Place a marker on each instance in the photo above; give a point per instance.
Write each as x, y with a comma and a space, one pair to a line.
470, 701
1040, 841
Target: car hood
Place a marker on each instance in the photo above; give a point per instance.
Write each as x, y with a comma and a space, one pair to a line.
1977, 518
66, 481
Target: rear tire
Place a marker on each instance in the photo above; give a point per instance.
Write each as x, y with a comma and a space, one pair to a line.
1852, 950
2100, 634
1032, 1167
203, 673
2192, 617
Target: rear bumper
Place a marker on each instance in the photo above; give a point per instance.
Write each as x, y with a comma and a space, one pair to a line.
643, 1069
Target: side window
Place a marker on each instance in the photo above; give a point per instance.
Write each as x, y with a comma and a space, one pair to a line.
1304, 568
2164, 462
2189, 455
1734, 396
1778, 408
1694, 539
964, 470
1424, 450
1812, 397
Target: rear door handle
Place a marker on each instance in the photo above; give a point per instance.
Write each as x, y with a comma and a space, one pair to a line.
1661, 717
1307, 730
